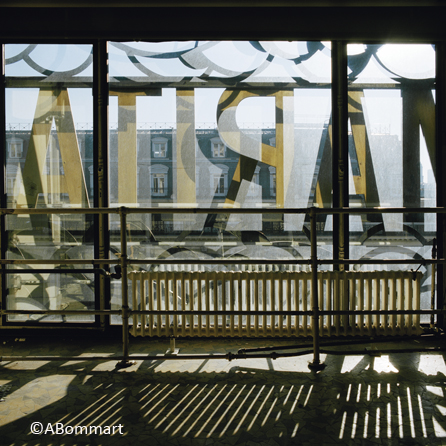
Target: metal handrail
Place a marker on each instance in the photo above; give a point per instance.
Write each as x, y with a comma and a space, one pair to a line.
223, 210
124, 261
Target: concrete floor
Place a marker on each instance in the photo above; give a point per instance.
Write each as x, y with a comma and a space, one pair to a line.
396, 399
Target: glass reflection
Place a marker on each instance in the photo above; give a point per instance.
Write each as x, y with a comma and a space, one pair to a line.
219, 124
49, 164
392, 152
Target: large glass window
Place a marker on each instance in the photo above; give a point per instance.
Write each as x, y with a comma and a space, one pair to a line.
392, 152
215, 125
246, 121
49, 115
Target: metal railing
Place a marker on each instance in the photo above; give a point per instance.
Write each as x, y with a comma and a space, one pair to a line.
123, 263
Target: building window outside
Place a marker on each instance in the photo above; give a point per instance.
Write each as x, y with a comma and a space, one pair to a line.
272, 181
158, 184
219, 184
159, 147
219, 179
15, 147
91, 171
139, 178
218, 148
158, 180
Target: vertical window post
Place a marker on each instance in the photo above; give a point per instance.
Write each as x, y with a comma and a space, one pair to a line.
340, 149
440, 116
100, 151
3, 240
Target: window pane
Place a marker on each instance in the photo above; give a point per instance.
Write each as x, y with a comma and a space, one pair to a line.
49, 150
392, 152
245, 124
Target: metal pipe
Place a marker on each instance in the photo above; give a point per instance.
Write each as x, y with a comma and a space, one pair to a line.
336, 343
383, 352
229, 356
125, 296
434, 256
316, 364
433, 295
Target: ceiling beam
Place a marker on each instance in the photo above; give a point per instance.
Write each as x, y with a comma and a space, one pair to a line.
371, 24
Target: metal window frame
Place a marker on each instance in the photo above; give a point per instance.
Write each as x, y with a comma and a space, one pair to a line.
340, 159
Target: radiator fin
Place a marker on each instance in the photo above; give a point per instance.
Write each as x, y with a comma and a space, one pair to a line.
284, 291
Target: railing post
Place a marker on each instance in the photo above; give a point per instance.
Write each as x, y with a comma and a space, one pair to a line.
3, 202
316, 364
125, 292
434, 256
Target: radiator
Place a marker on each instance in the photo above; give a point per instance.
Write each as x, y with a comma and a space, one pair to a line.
287, 291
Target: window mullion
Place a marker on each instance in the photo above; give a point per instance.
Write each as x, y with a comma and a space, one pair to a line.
100, 150
440, 115
340, 148
3, 204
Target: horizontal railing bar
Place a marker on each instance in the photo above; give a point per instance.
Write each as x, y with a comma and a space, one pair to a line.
222, 313
55, 271
384, 312
225, 210
282, 262
382, 262
59, 262
379, 210
64, 312
279, 313
160, 312
40, 211
52, 326
228, 261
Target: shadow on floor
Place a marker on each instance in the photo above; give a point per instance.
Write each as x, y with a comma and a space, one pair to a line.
399, 399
